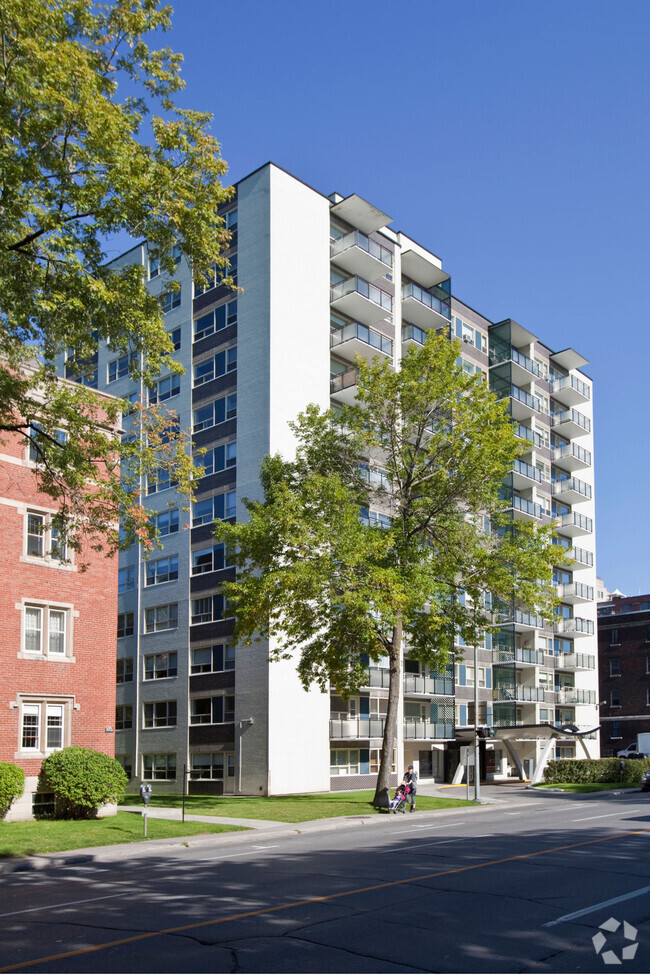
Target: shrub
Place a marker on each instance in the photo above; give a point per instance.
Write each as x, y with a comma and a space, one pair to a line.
12, 784
81, 780
596, 770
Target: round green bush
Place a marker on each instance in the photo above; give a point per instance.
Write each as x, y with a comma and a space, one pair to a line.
81, 780
12, 784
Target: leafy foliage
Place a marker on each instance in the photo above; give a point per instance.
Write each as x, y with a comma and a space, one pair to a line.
81, 780
80, 92
422, 456
12, 784
596, 770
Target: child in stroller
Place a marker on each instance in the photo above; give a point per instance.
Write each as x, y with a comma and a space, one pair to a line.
398, 802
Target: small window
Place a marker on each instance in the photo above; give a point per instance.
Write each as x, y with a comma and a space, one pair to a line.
125, 624
158, 666
614, 667
212, 710
615, 699
160, 481
160, 714
126, 578
214, 413
124, 670
616, 729
167, 522
218, 459
209, 660
218, 365
169, 300
161, 618
158, 767
45, 630
175, 337
208, 608
161, 570
123, 717
614, 640
42, 726
165, 389
119, 368
126, 761
43, 539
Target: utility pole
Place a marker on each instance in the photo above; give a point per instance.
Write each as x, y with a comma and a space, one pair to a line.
477, 764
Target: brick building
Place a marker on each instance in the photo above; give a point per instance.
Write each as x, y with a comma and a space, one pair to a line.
624, 669
58, 648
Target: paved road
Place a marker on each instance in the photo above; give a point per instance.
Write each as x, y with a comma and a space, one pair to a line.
492, 889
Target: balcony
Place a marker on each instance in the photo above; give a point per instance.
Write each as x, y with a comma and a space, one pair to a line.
358, 727
415, 684
343, 388
574, 626
582, 557
525, 433
576, 695
571, 423
576, 524
522, 368
424, 308
426, 730
523, 508
356, 339
570, 390
524, 473
378, 677
524, 694
575, 661
525, 405
522, 656
522, 622
575, 592
572, 457
572, 490
356, 253
361, 301
412, 335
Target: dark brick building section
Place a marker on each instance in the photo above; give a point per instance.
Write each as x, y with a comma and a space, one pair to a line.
624, 670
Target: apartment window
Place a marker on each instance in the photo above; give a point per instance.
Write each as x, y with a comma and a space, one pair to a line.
161, 570
160, 665
124, 670
218, 458
469, 676
212, 558
615, 699
220, 410
126, 761
42, 726
166, 522
561, 645
614, 640
616, 729
160, 481
45, 630
212, 710
211, 660
615, 667
647, 696
208, 608
43, 539
154, 267
158, 767
125, 624
215, 766
231, 220
215, 320
160, 714
164, 389
219, 365
170, 299
123, 717
647, 665
119, 368
368, 517
161, 618
126, 578
213, 509
175, 336
344, 761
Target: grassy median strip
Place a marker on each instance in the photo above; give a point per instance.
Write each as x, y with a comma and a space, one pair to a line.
288, 809
582, 787
54, 835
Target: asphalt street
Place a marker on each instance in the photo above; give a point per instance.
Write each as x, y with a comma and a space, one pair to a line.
519, 886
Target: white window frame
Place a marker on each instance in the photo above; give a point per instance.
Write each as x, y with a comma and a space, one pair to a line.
156, 628
47, 613
44, 708
167, 777
48, 535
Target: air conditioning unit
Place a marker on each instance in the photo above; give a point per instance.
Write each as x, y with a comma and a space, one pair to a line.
465, 339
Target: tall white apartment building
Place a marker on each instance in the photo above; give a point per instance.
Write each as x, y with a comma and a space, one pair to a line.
325, 279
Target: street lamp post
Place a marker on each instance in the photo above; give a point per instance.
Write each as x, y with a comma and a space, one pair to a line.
477, 764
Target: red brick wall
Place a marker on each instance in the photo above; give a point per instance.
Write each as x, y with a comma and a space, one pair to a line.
93, 596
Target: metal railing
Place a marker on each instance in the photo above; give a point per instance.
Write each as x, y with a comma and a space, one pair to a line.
412, 290
359, 239
363, 288
571, 382
355, 330
571, 416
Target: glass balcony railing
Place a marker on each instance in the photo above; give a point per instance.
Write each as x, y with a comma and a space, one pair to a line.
412, 332
570, 382
439, 305
572, 450
514, 355
575, 520
533, 402
578, 590
355, 330
357, 727
528, 470
359, 239
414, 728
528, 507
572, 484
575, 661
572, 416
420, 684
575, 695
582, 556
363, 288
574, 624
525, 433
344, 381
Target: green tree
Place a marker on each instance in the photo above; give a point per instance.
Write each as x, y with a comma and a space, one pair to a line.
427, 447
93, 145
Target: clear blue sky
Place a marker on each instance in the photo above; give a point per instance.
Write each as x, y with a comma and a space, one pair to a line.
509, 137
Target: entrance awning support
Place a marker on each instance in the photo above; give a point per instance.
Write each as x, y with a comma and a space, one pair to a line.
538, 774
515, 758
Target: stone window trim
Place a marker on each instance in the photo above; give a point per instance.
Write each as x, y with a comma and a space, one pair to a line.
47, 558
45, 606
25, 700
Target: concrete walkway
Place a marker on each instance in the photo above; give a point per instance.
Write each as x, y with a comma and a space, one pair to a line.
165, 813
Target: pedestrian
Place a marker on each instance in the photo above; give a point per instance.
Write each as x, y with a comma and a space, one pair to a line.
411, 780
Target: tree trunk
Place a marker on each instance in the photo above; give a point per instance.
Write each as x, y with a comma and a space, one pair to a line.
382, 792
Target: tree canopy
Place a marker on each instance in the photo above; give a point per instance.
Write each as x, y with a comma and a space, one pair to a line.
92, 144
389, 532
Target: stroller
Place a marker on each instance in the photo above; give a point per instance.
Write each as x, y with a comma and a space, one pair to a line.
398, 802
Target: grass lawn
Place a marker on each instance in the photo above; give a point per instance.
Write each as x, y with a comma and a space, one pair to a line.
587, 786
53, 835
286, 809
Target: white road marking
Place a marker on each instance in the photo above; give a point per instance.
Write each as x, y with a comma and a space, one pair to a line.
583, 819
54, 907
596, 907
275, 845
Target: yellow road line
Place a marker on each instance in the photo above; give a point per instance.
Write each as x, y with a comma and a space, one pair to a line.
311, 900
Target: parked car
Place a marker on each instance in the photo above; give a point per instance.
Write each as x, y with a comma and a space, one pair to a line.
645, 781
